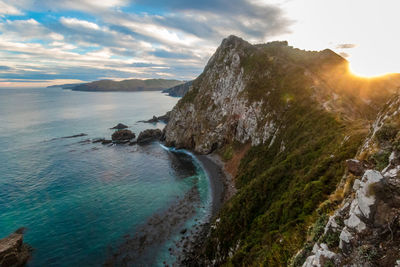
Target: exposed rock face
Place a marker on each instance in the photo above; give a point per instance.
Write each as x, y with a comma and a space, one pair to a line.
119, 126
122, 136
179, 90
355, 167
149, 135
13, 252
240, 97
368, 221
225, 113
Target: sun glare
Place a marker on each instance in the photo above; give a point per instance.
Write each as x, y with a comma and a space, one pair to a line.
367, 71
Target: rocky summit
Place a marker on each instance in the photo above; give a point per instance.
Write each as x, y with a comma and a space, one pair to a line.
313, 150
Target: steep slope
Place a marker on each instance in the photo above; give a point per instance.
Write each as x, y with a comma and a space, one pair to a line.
127, 85
365, 229
179, 90
299, 115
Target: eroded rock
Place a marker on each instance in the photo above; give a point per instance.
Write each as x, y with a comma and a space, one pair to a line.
149, 135
122, 136
13, 252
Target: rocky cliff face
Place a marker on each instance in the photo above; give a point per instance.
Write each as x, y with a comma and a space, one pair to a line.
245, 88
179, 90
365, 229
303, 114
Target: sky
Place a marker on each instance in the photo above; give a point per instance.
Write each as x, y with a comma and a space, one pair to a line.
47, 42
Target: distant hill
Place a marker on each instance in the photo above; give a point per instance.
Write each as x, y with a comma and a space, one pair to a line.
131, 85
64, 86
179, 90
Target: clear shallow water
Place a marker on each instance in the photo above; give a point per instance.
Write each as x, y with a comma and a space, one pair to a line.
79, 200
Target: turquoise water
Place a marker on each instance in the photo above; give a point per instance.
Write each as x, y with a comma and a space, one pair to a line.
80, 200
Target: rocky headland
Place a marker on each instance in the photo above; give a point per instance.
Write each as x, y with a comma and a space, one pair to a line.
291, 127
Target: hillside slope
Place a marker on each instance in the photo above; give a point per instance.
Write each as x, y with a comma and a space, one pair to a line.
295, 116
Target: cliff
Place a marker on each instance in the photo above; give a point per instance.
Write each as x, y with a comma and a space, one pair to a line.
285, 121
179, 90
365, 228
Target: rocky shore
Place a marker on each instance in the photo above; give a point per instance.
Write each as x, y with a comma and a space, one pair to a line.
13, 251
222, 188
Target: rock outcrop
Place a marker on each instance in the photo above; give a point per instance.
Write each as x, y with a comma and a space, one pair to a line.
122, 136
13, 252
367, 223
149, 135
179, 90
119, 126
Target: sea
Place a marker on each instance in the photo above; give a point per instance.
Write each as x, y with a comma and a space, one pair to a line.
88, 204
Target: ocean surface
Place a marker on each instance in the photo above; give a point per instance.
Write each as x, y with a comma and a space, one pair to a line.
84, 203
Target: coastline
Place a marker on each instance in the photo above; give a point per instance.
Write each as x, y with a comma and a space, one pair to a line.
221, 182
222, 189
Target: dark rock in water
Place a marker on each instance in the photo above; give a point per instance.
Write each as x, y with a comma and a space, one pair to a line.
149, 135
76, 135
164, 118
154, 119
98, 140
355, 167
119, 126
183, 231
131, 143
106, 142
122, 135
13, 252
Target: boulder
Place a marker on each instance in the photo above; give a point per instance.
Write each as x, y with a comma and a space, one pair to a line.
13, 252
149, 135
355, 167
119, 126
106, 142
122, 136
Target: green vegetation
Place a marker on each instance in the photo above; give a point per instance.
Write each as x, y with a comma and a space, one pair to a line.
381, 159
387, 133
279, 193
188, 97
227, 153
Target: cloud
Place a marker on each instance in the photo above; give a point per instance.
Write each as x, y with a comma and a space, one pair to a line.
26, 30
346, 46
7, 9
127, 38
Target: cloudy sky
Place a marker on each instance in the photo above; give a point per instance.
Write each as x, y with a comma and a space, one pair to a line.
45, 42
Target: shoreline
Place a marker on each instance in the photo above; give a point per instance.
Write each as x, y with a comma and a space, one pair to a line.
221, 182
222, 189
215, 176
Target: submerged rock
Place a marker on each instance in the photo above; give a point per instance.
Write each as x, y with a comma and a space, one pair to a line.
122, 136
13, 252
119, 126
149, 135
106, 142
74, 136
